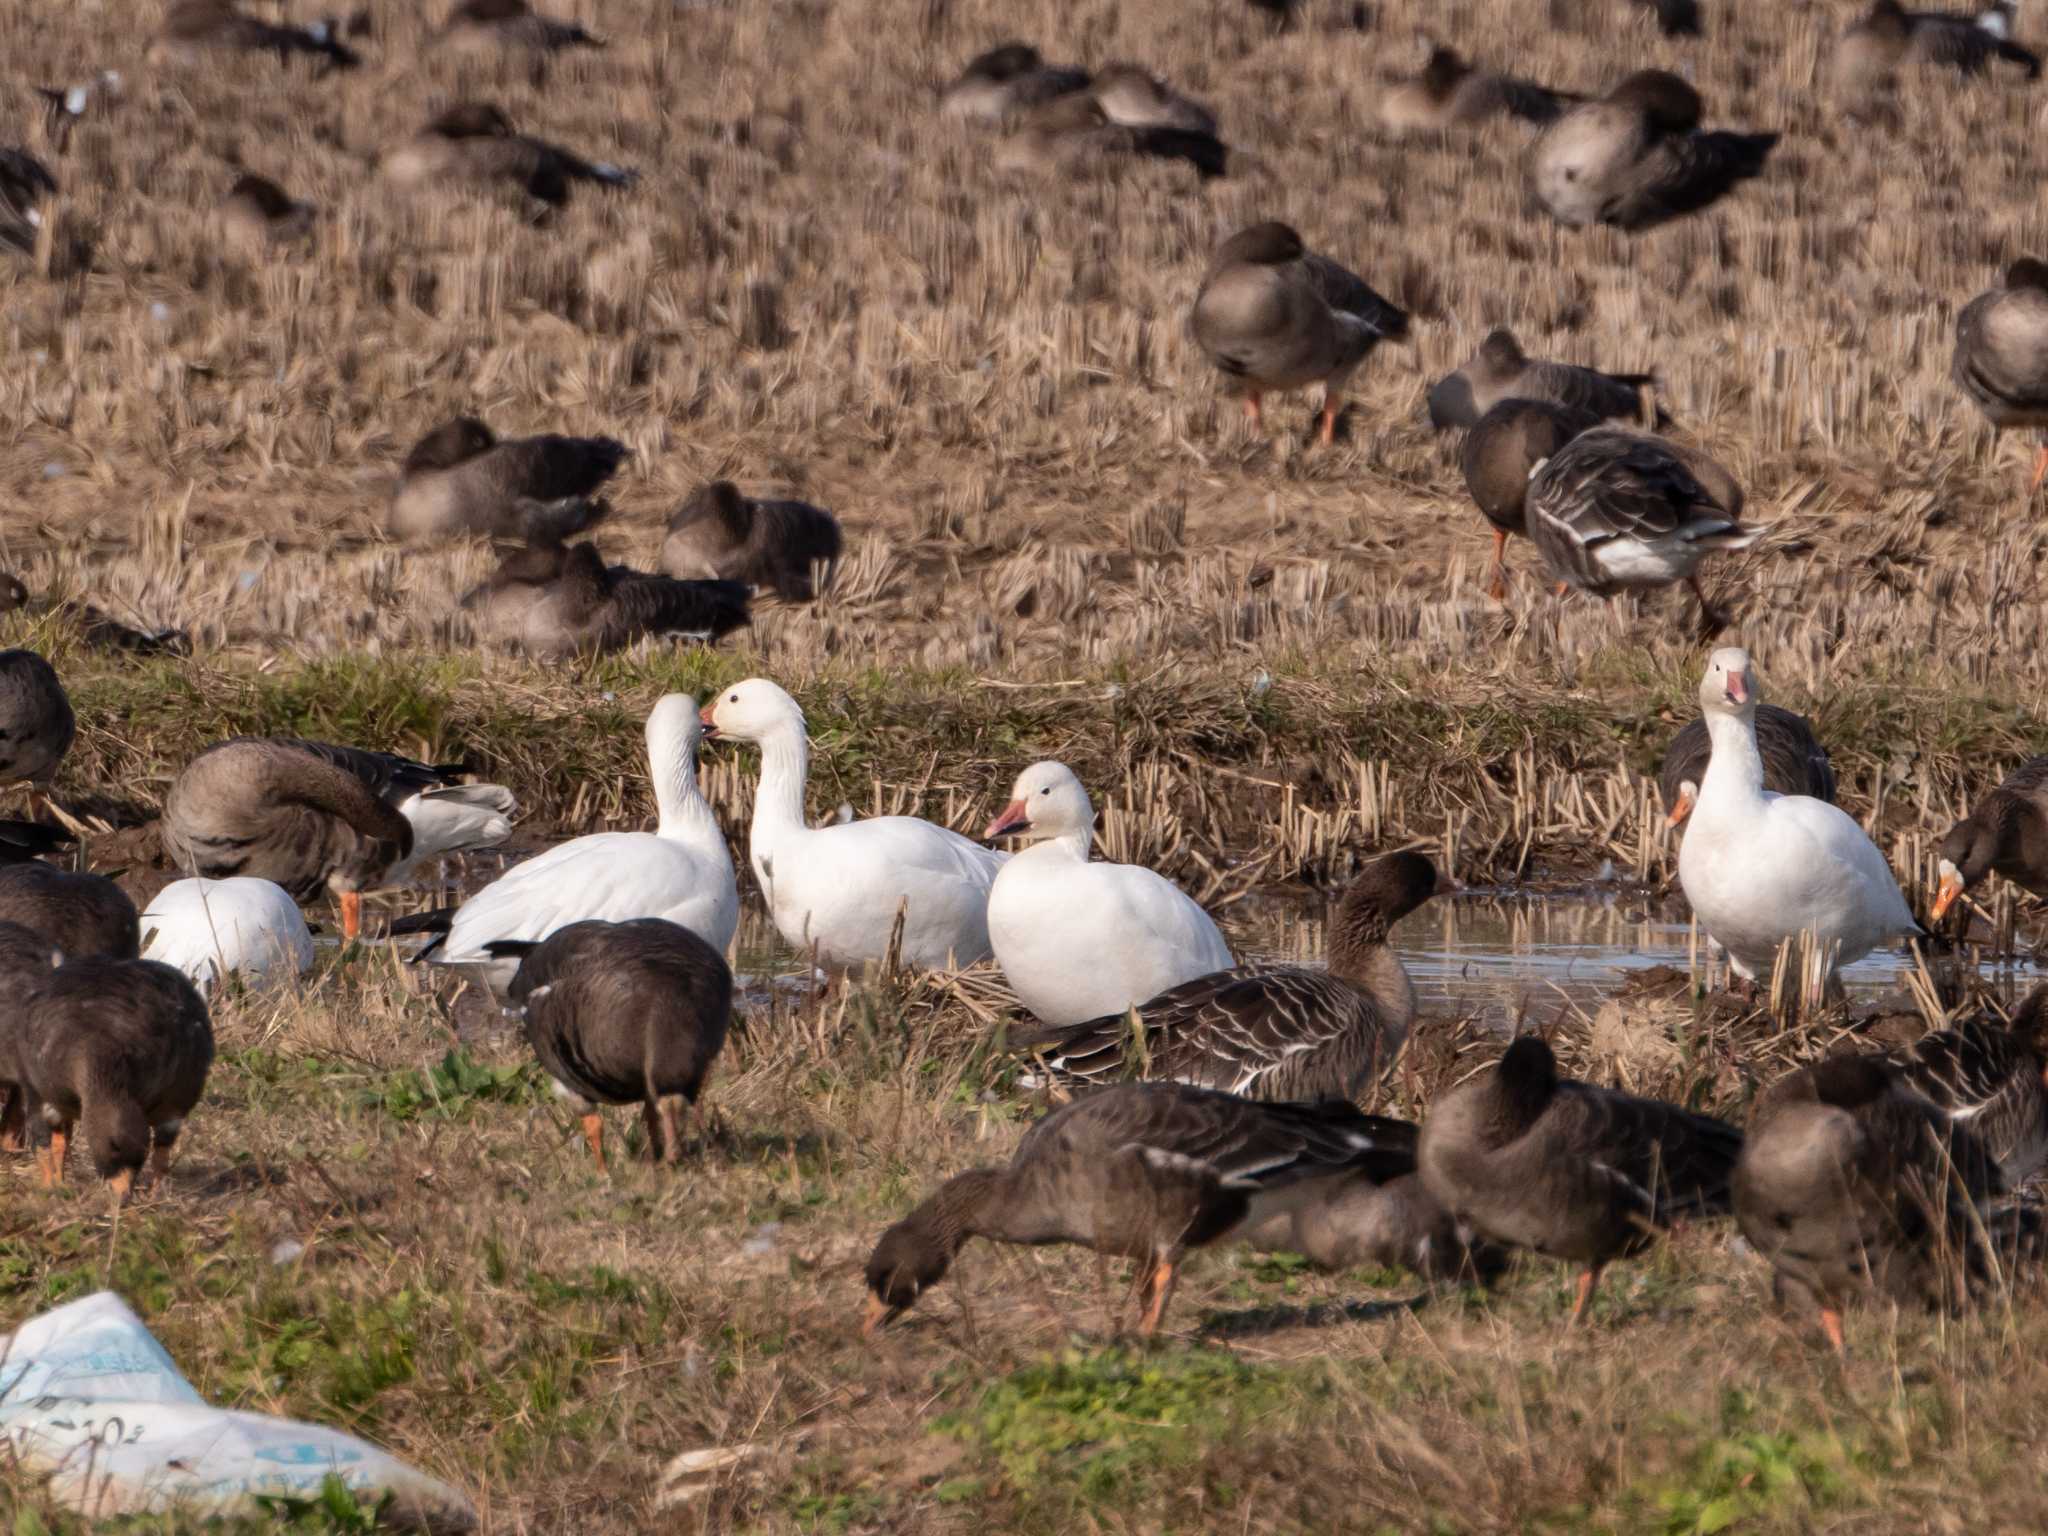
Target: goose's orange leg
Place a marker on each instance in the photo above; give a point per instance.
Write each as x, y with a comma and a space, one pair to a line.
1498, 591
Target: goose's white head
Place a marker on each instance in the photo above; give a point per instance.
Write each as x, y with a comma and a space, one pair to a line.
753, 711
673, 730
1046, 801
1729, 687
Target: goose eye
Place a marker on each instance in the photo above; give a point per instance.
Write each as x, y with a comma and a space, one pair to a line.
1047, 790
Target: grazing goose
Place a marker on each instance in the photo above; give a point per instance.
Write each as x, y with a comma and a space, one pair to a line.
1795, 763
79, 913
1269, 1031
2006, 833
681, 871
1572, 1171
624, 1013
2001, 356
1501, 370
1142, 1171
26, 960
1636, 157
1991, 1074
98, 629
1615, 510
720, 535
474, 143
193, 28
208, 929
258, 214
24, 182
843, 890
1451, 93
1850, 1181
36, 723
554, 601
1498, 453
120, 1049
1007, 80
21, 841
1273, 315
1076, 134
1078, 940
476, 25
460, 479
1758, 867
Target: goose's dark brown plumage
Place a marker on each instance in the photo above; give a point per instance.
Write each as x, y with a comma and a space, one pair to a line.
1077, 134
2001, 355
1795, 763
21, 841
36, 722
473, 144
1274, 1032
2006, 833
1868, 55
1501, 370
719, 534
1989, 1073
1451, 92
624, 1013
479, 24
26, 960
1498, 453
555, 601
1143, 1171
24, 182
194, 27
1567, 1169
119, 1049
462, 479
81, 914
1008, 79
258, 213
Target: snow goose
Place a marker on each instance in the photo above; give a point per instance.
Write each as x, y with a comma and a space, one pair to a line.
681, 871
26, 960
2006, 833
1501, 370
1143, 1171
841, 889
461, 478
2001, 355
721, 535
1007, 80
1572, 1171
1759, 868
241, 927
1274, 315
81, 914
1079, 940
36, 723
1636, 157
1615, 510
623, 1013
1271, 1031
1795, 763
1451, 93
122, 1046
1504, 445
474, 145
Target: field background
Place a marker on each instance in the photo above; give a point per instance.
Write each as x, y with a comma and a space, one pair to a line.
1265, 657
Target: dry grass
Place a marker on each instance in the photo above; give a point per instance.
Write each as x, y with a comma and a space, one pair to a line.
1262, 656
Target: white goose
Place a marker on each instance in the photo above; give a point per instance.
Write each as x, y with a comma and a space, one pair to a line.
838, 889
681, 870
1760, 867
1080, 940
241, 926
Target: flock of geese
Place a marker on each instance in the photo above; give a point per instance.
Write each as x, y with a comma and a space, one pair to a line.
1209, 1098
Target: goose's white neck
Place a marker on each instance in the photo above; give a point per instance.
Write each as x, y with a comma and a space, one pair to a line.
1735, 770
683, 810
1073, 843
779, 797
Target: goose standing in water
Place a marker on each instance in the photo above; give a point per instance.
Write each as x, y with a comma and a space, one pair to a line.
681, 871
1270, 1031
462, 479
1078, 940
1795, 763
718, 534
1504, 445
2001, 356
1759, 868
210, 929
1501, 370
842, 889
2006, 833
1274, 315
36, 723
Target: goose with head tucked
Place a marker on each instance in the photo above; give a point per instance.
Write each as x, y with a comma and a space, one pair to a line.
461, 478
473, 145
1079, 940
1759, 867
719, 534
2001, 355
1795, 763
1007, 80
249, 929
842, 890
2006, 833
1453, 93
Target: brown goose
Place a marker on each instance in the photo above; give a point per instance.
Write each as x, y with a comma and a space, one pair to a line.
1451, 93
79, 913
1134, 97
2001, 356
1615, 510
2006, 833
720, 535
1497, 455
1636, 157
555, 601
21, 841
120, 1048
1006, 80
1273, 315
193, 28
98, 629
476, 25
1795, 763
24, 182
460, 479
1873, 47
257, 214
475, 144
1990, 1074
36, 723
1077, 134
1272, 1031
1501, 370
26, 960
624, 1013
1569, 1170
1851, 1180
1142, 1171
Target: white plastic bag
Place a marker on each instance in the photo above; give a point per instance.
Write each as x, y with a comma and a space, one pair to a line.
90, 1400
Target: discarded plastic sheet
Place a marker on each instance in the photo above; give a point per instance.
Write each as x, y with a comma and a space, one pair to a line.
90, 1401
